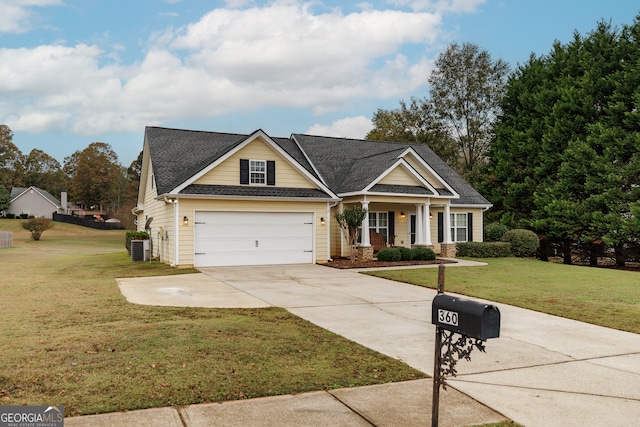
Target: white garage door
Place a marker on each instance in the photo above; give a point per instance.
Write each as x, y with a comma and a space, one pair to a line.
253, 238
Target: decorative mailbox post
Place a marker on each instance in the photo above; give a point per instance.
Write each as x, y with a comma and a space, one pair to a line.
474, 321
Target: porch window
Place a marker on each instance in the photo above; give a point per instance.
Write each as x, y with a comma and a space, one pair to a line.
258, 171
459, 227
379, 222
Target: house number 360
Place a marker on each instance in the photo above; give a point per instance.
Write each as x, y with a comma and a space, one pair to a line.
448, 317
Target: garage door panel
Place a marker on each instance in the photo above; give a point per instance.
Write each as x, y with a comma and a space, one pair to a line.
253, 238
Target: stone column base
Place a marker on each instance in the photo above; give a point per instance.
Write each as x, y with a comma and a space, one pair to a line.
448, 250
364, 253
422, 246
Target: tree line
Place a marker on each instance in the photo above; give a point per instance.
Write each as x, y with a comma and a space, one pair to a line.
91, 177
554, 145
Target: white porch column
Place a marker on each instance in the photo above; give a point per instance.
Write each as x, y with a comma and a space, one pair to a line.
365, 226
427, 220
419, 225
447, 224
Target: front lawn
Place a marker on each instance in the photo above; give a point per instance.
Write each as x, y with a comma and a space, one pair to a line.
68, 337
604, 297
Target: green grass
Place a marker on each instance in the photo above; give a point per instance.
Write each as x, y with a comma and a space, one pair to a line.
600, 296
68, 337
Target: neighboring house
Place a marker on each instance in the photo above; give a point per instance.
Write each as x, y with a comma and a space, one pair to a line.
33, 201
215, 199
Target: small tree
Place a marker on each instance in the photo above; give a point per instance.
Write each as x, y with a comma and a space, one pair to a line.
37, 226
350, 220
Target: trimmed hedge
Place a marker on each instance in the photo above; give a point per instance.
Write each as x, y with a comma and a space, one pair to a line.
524, 243
406, 254
423, 254
493, 232
483, 249
135, 235
389, 254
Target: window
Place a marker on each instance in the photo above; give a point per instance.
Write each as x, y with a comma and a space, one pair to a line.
257, 171
379, 222
459, 227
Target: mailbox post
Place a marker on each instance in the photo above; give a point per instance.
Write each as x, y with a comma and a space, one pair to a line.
473, 320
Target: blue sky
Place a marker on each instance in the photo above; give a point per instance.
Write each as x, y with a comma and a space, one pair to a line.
77, 71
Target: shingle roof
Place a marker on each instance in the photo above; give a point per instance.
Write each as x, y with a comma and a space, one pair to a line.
353, 164
268, 191
344, 165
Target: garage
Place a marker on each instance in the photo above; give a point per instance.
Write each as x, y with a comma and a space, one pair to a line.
253, 238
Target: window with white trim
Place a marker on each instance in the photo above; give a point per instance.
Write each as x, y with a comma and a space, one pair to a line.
379, 222
459, 227
258, 171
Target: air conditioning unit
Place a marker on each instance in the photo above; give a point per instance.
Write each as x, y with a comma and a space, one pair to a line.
140, 250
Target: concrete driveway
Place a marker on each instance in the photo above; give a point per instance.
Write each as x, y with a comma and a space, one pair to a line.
542, 371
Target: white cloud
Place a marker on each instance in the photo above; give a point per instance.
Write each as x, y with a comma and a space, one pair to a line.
16, 14
441, 6
349, 127
230, 61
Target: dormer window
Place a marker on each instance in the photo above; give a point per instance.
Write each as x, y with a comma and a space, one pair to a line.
257, 171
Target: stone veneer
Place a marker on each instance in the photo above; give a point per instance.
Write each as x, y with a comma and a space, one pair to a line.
365, 253
448, 250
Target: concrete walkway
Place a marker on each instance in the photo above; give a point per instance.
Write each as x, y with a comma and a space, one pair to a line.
542, 371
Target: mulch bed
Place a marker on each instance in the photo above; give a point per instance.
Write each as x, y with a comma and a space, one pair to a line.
346, 263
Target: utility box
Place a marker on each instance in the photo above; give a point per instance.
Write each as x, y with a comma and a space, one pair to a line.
463, 316
140, 250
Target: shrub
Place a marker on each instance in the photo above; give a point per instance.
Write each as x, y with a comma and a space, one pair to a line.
37, 226
524, 243
135, 235
11, 215
24, 216
406, 254
483, 249
423, 254
389, 254
493, 232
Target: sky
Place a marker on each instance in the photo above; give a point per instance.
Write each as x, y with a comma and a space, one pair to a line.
73, 72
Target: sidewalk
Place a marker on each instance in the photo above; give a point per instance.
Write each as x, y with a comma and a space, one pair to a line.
396, 404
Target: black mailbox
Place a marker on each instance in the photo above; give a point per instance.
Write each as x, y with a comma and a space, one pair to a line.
472, 318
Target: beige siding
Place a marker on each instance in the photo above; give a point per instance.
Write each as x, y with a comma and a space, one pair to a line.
399, 176
189, 207
424, 172
162, 214
228, 173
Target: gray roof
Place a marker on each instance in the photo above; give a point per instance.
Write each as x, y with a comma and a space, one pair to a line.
18, 191
344, 165
238, 190
352, 164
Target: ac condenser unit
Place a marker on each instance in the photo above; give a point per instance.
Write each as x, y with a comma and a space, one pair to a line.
139, 250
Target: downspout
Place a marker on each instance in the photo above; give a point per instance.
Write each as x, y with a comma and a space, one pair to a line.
176, 225
328, 222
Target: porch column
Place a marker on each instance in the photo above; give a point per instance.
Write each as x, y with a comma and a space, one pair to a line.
447, 224
365, 226
419, 225
427, 220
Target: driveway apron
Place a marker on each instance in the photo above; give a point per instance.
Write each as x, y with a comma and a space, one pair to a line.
542, 371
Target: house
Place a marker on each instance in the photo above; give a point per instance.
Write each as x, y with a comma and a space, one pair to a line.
217, 199
33, 201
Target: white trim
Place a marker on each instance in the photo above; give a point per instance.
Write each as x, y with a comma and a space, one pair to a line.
424, 164
257, 134
176, 226
35, 189
408, 168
